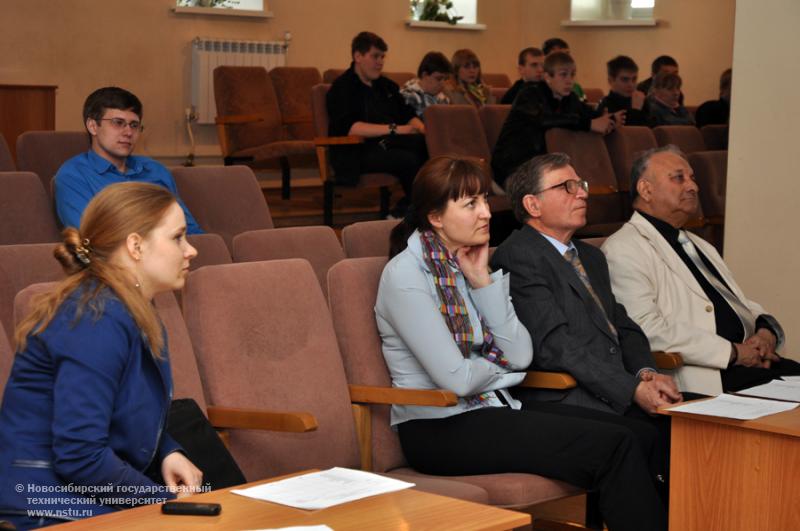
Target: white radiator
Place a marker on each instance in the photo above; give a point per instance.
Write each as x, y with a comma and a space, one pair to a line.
209, 53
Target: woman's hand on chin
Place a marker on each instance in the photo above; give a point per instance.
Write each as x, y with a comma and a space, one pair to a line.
474, 262
180, 475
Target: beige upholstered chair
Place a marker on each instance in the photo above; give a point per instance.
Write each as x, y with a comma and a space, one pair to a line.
211, 250
496, 80
493, 117
367, 238
26, 212
687, 137
43, 152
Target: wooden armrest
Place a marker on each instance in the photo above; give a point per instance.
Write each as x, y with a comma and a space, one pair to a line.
257, 419
367, 394
238, 119
668, 360
297, 119
338, 140
548, 380
602, 189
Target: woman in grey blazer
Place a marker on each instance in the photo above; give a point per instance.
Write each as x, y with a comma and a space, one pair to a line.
447, 322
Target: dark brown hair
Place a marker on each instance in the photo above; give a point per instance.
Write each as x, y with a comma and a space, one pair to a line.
441, 179
112, 215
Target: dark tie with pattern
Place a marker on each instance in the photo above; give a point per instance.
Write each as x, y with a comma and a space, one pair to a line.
572, 257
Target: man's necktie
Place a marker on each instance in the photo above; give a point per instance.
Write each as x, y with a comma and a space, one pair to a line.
745, 315
572, 257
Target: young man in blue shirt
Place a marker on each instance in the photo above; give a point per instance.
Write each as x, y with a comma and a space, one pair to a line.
113, 118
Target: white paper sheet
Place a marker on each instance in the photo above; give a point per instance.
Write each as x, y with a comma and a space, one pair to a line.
791, 378
735, 407
297, 528
776, 389
319, 490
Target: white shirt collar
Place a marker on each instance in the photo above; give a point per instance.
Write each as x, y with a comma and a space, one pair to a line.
560, 246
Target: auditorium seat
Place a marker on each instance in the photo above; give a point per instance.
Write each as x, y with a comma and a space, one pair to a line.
382, 181
6, 360
715, 136
593, 95
211, 250
263, 337
21, 266
496, 80
493, 117
330, 75
225, 200
624, 145
590, 159
249, 122
710, 172
455, 130
317, 244
498, 93
353, 287
367, 238
43, 152
26, 212
293, 86
687, 137
6, 160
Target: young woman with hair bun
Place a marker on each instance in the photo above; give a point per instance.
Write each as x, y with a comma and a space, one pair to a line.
83, 415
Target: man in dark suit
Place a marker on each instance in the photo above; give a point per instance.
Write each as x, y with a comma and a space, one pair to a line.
561, 292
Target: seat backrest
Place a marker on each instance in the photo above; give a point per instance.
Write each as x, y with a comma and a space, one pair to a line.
185, 374
352, 291
211, 250
624, 145
330, 75
43, 152
597, 242
687, 137
319, 109
455, 129
399, 77
593, 95
243, 90
496, 80
367, 238
497, 93
710, 172
264, 339
317, 244
715, 136
493, 117
225, 200
26, 212
6, 360
6, 160
293, 87
21, 266
591, 162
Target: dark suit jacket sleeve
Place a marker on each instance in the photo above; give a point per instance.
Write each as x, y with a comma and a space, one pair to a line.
559, 344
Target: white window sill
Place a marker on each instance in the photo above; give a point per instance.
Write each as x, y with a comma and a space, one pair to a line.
222, 12
629, 22
430, 24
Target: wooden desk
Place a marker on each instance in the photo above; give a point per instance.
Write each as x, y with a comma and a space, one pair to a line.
404, 510
26, 108
734, 475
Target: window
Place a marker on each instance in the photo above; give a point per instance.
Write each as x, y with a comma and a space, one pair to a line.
462, 11
612, 11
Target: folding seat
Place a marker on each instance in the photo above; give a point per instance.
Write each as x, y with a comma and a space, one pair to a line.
493, 117
330, 75
456, 130
211, 250
353, 287
382, 181
399, 77
317, 244
6, 360
225, 200
293, 87
367, 238
43, 152
590, 159
711, 172
496, 80
715, 136
263, 338
498, 93
26, 212
6, 161
624, 145
593, 95
250, 124
687, 137
21, 266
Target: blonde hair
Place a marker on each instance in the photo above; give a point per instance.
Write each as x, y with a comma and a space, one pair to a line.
112, 215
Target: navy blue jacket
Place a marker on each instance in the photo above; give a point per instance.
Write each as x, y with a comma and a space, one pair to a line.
83, 416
